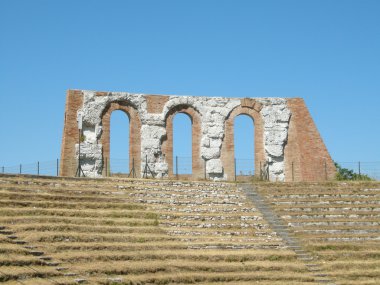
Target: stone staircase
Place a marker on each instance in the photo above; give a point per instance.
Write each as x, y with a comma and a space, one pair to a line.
278, 225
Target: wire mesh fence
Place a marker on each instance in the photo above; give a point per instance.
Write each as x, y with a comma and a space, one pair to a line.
118, 166
244, 167
181, 166
371, 169
46, 168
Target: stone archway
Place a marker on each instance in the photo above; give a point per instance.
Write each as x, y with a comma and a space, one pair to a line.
167, 145
134, 135
284, 134
228, 146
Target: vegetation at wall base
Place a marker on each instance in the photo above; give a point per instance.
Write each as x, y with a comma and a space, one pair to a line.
348, 174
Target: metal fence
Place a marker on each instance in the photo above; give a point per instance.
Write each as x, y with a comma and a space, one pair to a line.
244, 167
47, 168
372, 169
181, 166
118, 166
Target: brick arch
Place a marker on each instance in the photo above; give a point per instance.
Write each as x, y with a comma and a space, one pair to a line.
228, 146
167, 144
134, 133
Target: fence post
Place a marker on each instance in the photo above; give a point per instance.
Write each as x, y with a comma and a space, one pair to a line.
235, 167
106, 166
20, 168
359, 169
38, 168
261, 172
176, 167
57, 166
133, 168
293, 171
204, 169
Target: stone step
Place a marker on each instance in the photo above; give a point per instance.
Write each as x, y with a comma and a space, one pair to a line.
6, 232
12, 237
350, 231
36, 253
237, 246
294, 247
317, 197
183, 203
346, 239
304, 255
333, 224
312, 265
115, 280
306, 258
320, 275
19, 242
329, 216
69, 274
325, 203
208, 225
46, 258
332, 209
299, 251
324, 281
52, 263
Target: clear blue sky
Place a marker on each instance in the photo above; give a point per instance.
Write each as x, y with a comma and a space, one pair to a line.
326, 51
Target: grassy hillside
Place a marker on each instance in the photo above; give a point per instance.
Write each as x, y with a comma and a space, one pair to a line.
120, 231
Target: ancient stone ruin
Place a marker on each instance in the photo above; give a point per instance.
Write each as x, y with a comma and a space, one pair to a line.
287, 142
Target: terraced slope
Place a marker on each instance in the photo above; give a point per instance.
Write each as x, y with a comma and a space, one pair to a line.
338, 223
119, 231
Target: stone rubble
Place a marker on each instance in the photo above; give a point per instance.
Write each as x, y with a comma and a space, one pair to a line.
194, 211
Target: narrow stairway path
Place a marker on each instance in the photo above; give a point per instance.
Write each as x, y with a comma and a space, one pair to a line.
277, 224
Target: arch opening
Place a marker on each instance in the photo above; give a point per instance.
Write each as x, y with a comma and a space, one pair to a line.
244, 151
182, 144
119, 143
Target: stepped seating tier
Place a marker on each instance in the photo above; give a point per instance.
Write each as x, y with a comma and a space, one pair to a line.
338, 223
131, 231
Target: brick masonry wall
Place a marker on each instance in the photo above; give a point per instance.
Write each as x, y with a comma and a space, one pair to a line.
228, 147
305, 147
68, 164
305, 155
134, 135
167, 146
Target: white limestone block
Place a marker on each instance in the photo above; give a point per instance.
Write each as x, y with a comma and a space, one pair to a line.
214, 166
210, 153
